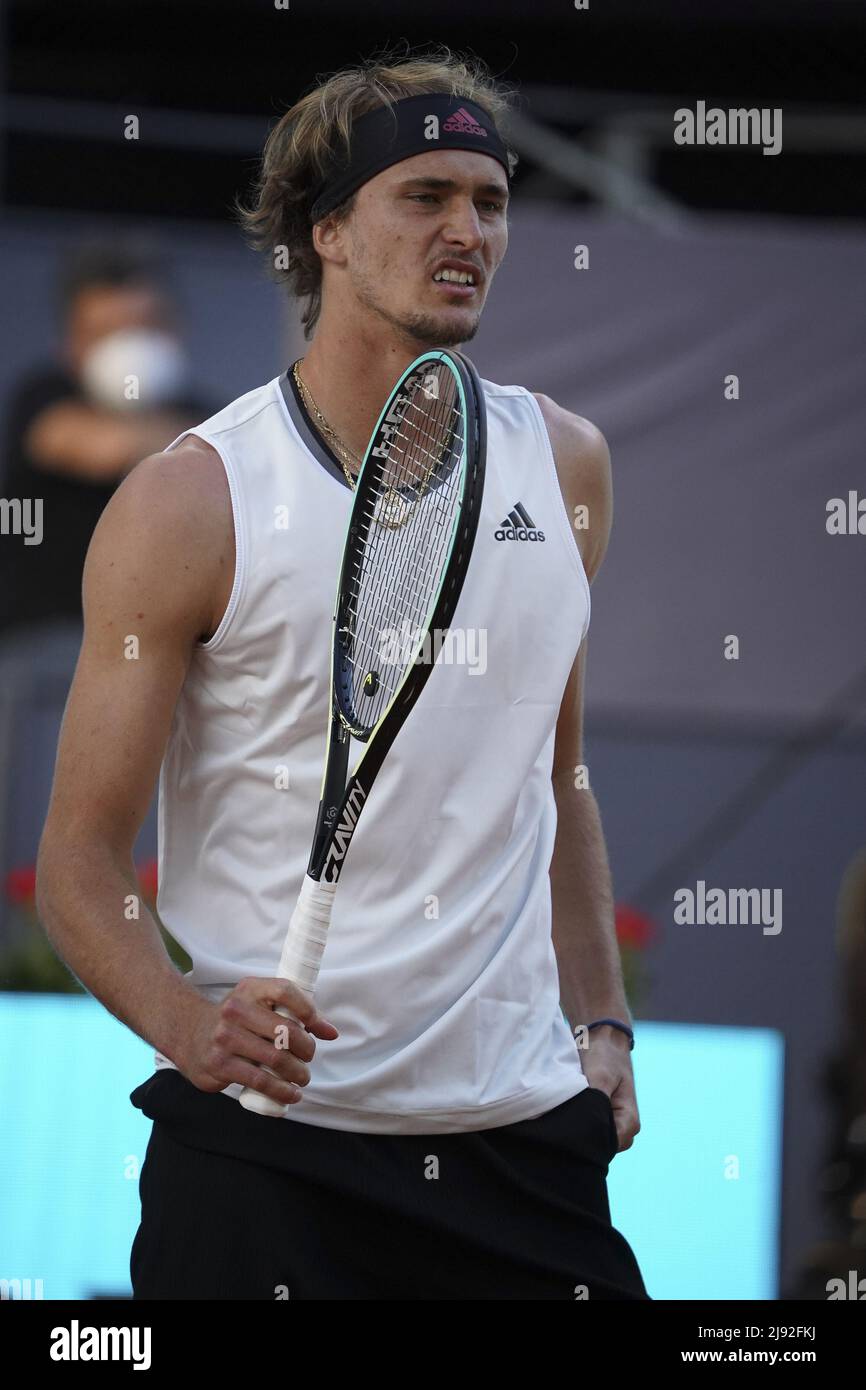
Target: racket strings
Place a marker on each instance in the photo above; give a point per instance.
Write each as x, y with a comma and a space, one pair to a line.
398, 569
413, 607
428, 444
401, 599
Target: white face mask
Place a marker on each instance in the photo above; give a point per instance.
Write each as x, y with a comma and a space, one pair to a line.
134, 369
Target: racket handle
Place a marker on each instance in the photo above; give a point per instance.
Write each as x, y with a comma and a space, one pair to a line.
299, 963
254, 1100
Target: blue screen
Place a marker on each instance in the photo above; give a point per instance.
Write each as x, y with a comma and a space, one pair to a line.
697, 1196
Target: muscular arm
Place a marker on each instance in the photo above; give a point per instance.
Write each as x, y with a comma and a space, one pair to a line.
584, 935
147, 592
154, 582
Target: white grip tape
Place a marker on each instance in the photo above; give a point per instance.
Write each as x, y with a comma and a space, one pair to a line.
308, 931
300, 962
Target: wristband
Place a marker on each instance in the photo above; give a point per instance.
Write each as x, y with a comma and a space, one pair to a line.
615, 1023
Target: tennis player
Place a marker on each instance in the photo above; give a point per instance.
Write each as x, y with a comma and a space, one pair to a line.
463, 1079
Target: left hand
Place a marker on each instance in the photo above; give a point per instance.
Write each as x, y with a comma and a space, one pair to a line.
607, 1065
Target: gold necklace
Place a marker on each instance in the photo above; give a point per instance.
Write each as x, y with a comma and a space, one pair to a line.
343, 449
395, 510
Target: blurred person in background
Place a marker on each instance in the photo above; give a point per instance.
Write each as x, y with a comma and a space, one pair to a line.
117, 391
75, 427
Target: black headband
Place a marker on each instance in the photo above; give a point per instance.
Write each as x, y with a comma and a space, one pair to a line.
413, 125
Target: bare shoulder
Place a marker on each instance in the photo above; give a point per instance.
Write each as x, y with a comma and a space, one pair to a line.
582, 459
195, 466
579, 447
171, 521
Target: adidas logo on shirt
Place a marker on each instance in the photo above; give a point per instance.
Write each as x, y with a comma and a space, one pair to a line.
518, 526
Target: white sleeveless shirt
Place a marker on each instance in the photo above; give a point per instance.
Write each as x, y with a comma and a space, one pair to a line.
439, 969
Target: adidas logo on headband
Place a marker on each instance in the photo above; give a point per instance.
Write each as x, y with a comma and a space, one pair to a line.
462, 123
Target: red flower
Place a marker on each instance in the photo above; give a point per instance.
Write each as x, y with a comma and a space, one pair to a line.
20, 885
147, 877
633, 928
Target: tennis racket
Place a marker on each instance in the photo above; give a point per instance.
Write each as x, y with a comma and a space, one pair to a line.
407, 549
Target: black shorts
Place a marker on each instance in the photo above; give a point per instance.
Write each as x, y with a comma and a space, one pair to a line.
236, 1206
